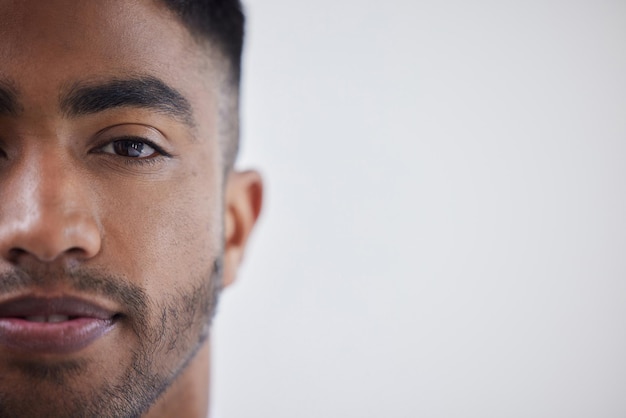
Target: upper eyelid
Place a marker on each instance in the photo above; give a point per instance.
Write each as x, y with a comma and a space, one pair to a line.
135, 131
131, 126
141, 131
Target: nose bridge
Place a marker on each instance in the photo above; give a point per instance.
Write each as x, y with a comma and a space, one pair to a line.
51, 189
47, 210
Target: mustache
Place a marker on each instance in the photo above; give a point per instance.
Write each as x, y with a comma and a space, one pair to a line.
116, 288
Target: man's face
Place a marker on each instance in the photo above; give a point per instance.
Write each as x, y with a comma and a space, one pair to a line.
111, 201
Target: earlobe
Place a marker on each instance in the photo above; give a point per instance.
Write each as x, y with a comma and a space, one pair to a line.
243, 201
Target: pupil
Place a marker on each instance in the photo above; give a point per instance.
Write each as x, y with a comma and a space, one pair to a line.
129, 148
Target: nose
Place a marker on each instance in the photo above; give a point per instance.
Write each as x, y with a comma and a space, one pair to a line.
46, 212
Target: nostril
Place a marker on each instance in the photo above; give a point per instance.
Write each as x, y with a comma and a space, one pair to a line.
52, 235
15, 254
76, 251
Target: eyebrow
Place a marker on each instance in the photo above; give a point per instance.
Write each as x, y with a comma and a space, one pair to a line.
141, 92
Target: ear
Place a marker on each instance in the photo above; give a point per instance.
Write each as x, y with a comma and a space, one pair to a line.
244, 197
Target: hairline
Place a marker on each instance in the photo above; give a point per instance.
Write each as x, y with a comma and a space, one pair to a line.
227, 77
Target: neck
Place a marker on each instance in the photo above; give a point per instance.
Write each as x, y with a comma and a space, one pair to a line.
188, 396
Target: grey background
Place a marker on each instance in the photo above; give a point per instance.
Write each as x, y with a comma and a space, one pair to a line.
445, 224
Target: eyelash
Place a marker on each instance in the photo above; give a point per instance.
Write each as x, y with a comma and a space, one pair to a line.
160, 152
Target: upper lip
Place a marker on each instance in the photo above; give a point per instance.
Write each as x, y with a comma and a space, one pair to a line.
39, 306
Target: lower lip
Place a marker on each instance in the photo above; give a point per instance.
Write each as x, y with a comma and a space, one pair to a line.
52, 338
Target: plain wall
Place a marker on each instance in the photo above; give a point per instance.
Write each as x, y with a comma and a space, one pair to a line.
444, 232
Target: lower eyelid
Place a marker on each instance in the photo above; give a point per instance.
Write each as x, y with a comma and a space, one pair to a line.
156, 160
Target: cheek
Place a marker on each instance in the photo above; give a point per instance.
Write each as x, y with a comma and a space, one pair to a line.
162, 235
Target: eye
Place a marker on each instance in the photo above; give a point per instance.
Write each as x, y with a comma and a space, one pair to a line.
132, 148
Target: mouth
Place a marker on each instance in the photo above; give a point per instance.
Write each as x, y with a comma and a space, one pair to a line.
53, 325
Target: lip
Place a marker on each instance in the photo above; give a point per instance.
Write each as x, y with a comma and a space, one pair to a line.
76, 323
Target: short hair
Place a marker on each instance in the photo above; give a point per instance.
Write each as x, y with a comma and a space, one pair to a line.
221, 22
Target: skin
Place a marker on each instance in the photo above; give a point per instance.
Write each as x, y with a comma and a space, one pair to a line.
76, 216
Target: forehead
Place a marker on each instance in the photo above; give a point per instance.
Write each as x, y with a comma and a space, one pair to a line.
47, 45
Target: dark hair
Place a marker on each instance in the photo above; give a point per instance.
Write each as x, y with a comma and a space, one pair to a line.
219, 21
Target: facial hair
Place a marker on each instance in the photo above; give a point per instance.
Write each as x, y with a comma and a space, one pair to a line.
168, 335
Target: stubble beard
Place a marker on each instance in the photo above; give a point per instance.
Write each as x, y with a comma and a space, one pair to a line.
167, 342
